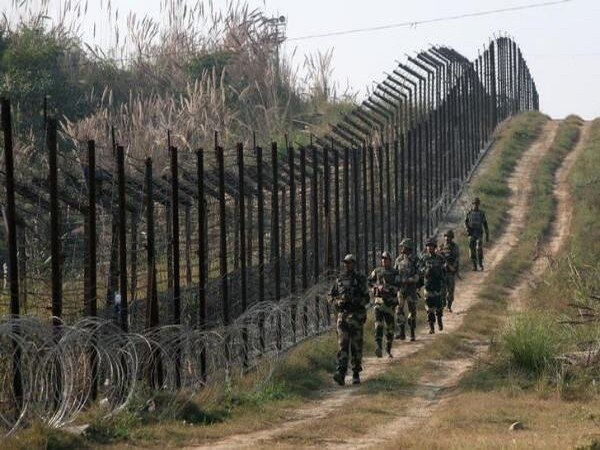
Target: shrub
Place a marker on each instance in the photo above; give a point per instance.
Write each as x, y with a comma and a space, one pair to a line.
533, 341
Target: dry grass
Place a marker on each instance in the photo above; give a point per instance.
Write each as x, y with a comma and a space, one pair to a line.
481, 420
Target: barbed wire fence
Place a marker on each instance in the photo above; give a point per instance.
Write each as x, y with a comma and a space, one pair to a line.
171, 275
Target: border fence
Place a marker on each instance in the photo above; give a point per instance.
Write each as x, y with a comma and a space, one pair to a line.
170, 274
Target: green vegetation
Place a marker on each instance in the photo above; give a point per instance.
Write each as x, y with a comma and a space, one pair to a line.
533, 341
492, 188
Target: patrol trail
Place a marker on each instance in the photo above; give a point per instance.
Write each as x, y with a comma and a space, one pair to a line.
435, 386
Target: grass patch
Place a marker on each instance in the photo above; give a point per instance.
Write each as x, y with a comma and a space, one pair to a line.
533, 340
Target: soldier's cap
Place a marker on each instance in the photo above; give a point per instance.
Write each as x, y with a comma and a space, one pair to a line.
386, 255
476, 200
449, 233
349, 258
406, 242
431, 242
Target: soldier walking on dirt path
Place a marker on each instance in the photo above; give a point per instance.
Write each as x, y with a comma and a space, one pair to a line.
406, 264
384, 281
476, 224
349, 296
431, 269
450, 252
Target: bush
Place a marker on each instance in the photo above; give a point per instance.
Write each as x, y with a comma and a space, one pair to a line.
533, 341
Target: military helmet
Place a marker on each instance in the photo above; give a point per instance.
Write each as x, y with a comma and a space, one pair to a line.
349, 258
386, 255
476, 200
406, 242
431, 242
449, 233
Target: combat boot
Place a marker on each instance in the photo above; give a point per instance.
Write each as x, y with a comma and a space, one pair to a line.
340, 378
356, 378
440, 323
431, 320
413, 324
389, 349
402, 334
378, 350
474, 266
481, 265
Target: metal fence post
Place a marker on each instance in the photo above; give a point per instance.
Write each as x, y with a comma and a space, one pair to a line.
11, 231
124, 314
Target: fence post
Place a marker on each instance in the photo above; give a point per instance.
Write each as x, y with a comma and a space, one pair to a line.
336, 201
261, 239
275, 235
222, 235
175, 236
396, 198
365, 205
242, 228
303, 226
327, 211
403, 224
380, 197
355, 191
372, 187
122, 225
315, 228
293, 287
91, 305
388, 198
151, 292
346, 195
11, 229
202, 247
55, 232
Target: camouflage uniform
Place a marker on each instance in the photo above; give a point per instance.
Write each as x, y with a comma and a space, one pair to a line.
476, 224
407, 294
385, 287
431, 269
450, 252
350, 297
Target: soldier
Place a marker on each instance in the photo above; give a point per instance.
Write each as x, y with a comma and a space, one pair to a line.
406, 265
476, 224
384, 281
350, 297
449, 250
431, 269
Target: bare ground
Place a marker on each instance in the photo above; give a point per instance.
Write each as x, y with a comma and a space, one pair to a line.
434, 386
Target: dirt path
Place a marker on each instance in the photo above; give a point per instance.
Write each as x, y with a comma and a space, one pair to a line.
434, 387
433, 384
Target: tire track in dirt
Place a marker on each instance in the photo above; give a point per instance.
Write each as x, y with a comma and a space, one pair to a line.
432, 385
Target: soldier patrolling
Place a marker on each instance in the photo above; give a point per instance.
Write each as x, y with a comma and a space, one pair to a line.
406, 264
350, 296
431, 269
476, 224
449, 250
384, 281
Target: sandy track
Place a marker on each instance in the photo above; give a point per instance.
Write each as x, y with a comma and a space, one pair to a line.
431, 386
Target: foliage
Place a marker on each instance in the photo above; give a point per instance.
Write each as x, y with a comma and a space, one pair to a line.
200, 70
533, 341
